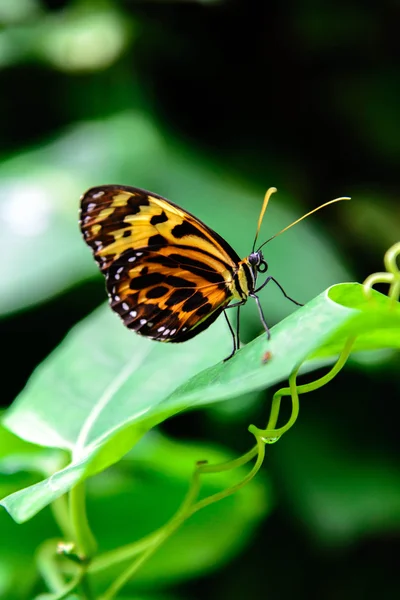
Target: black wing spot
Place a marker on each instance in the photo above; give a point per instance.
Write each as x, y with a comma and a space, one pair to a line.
179, 296
193, 302
198, 268
157, 240
185, 228
204, 310
136, 201
157, 292
164, 261
179, 282
156, 219
144, 281
126, 233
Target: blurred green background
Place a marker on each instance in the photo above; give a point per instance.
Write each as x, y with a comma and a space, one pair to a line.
209, 103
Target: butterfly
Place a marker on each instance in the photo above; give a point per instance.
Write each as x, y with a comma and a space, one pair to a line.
168, 275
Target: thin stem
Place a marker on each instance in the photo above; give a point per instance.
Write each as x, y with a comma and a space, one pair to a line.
84, 585
301, 389
124, 553
64, 593
260, 450
390, 259
49, 568
83, 536
130, 571
59, 508
275, 406
46, 560
188, 508
394, 292
373, 279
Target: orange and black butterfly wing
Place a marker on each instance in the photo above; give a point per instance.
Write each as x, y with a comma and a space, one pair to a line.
156, 295
168, 275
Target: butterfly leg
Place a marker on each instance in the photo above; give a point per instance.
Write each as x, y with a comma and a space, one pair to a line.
237, 327
236, 339
280, 287
233, 338
260, 311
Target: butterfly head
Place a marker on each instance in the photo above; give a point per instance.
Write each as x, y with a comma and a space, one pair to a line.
257, 262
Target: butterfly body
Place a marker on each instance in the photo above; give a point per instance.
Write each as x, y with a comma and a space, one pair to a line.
168, 275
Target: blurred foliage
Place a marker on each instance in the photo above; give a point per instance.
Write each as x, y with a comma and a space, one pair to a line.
157, 468
209, 103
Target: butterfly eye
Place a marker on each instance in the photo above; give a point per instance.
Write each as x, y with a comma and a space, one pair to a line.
254, 259
262, 267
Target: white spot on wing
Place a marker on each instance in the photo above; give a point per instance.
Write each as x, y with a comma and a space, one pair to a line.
161, 329
143, 321
125, 306
133, 313
173, 331
166, 332
98, 195
139, 253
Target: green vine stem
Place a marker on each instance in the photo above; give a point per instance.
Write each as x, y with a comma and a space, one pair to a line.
124, 553
392, 275
188, 507
83, 536
64, 593
60, 510
47, 564
270, 434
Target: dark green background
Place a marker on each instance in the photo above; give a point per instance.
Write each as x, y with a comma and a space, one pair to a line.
300, 95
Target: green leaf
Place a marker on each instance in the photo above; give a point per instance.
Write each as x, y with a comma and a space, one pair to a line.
104, 387
102, 379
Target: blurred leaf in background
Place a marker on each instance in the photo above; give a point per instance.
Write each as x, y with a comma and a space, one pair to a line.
209, 103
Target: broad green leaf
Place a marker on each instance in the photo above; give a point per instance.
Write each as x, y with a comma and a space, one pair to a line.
17, 455
39, 201
101, 379
104, 387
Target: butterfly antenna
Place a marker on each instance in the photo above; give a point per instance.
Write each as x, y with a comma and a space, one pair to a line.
301, 218
268, 195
